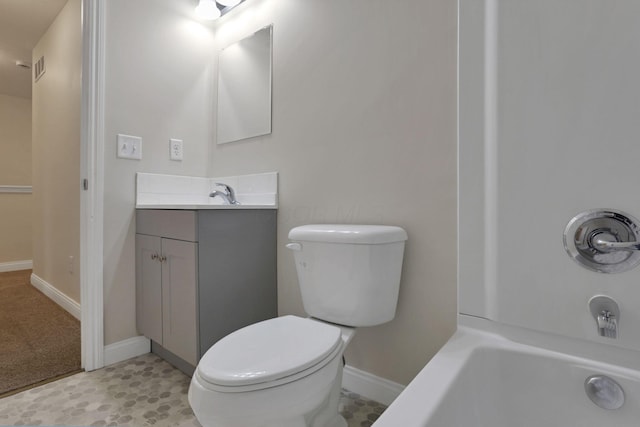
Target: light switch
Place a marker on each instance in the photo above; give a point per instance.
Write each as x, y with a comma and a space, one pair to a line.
175, 149
129, 147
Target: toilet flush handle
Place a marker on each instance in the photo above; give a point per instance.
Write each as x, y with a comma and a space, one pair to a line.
294, 246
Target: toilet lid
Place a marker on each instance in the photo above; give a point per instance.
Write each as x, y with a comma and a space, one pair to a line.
268, 351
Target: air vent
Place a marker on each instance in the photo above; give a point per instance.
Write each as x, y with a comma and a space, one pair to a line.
38, 69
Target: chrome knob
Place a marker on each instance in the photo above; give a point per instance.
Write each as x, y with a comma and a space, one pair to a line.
604, 240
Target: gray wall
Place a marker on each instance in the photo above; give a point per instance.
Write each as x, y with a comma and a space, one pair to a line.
15, 169
364, 131
56, 153
158, 86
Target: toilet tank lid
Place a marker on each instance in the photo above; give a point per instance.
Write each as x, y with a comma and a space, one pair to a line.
348, 233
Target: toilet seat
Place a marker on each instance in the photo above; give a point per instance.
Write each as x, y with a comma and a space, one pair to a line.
269, 353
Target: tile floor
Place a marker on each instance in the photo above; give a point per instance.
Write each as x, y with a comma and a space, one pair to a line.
143, 391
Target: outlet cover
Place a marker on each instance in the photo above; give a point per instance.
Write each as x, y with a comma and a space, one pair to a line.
175, 149
129, 147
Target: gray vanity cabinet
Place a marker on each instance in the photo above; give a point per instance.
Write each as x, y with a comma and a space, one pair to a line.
149, 287
166, 281
201, 275
237, 271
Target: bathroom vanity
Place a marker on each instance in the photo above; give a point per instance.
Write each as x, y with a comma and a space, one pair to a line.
202, 274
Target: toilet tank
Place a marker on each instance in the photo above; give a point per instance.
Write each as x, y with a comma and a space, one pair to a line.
349, 274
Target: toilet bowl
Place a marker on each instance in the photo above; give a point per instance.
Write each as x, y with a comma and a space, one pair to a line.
281, 372
287, 371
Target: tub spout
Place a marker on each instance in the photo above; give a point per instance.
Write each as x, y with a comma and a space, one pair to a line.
606, 312
607, 324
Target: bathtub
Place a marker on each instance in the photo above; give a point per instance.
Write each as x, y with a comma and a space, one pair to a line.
492, 375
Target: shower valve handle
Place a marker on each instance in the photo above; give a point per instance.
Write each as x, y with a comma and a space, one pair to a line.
608, 246
604, 240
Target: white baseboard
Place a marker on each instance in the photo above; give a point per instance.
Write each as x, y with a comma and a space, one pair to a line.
16, 266
113, 353
353, 379
370, 386
126, 349
56, 296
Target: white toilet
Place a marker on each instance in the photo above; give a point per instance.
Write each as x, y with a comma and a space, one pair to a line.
287, 371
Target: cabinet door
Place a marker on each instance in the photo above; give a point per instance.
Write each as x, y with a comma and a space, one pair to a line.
148, 287
179, 281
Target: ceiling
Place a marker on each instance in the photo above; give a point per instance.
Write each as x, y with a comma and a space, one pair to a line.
22, 24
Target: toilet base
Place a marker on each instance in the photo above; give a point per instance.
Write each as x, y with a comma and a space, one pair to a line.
329, 415
338, 421
310, 402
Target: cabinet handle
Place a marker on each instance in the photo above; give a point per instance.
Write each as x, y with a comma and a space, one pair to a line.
157, 257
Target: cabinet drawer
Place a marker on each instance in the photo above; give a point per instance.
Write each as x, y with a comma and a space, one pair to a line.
174, 224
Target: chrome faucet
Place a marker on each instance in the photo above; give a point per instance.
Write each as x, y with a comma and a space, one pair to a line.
607, 324
607, 314
227, 194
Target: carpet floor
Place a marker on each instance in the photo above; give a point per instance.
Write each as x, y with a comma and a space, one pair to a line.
38, 339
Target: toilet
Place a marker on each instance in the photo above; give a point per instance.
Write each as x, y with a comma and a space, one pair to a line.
287, 371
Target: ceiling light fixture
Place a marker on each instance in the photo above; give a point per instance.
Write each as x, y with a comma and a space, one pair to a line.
208, 10
228, 3
212, 9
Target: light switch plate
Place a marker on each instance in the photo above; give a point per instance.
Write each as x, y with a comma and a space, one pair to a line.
175, 149
129, 147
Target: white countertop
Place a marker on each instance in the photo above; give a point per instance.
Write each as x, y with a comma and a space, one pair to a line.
191, 207
157, 191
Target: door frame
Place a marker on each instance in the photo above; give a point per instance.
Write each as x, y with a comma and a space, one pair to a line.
92, 185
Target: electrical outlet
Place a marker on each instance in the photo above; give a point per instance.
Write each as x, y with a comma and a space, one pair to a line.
71, 264
129, 147
175, 149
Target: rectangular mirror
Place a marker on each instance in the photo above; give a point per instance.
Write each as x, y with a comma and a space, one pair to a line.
244, 88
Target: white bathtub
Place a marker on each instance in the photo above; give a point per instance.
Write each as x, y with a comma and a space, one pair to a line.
483, 377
